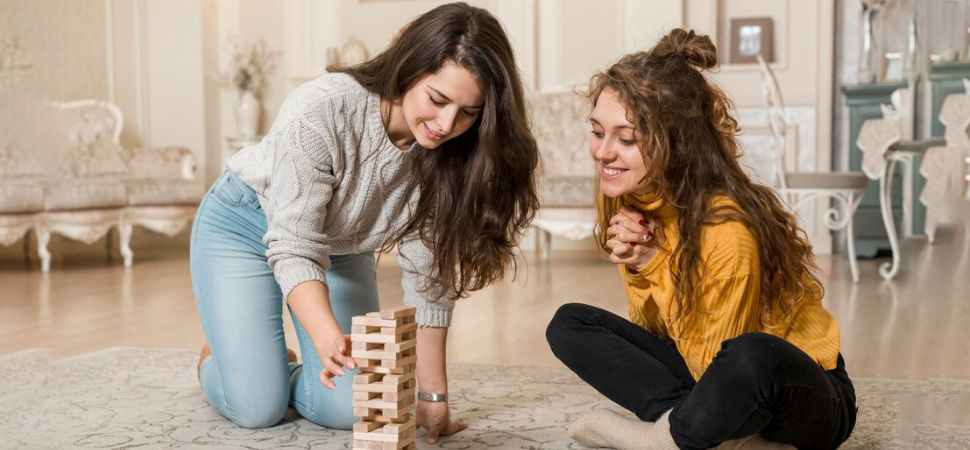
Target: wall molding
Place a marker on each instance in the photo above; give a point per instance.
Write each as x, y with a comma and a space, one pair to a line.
109, 49
142, 72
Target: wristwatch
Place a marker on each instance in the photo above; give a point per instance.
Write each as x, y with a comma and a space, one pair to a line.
432, 397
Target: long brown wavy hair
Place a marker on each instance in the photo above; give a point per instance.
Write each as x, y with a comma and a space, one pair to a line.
477, 190
686, 134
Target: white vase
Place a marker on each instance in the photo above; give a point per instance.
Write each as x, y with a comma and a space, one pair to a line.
247, 114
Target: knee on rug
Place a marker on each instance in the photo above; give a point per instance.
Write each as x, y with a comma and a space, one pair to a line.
260, 414
558, 333
330, 416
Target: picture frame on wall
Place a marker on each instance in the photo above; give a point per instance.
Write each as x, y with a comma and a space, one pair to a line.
892, 67
751, 36
966, 45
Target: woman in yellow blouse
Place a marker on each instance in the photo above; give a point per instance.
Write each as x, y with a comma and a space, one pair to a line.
727, 339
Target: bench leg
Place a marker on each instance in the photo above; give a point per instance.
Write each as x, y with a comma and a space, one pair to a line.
44, 238
124, 241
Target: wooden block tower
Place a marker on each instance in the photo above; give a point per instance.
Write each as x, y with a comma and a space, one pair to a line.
383, 344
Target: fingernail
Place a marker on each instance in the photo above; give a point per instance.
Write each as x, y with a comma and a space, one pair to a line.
633, 244
642, 222
650, 234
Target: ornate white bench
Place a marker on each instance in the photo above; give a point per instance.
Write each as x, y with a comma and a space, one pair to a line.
85, 184
567, 179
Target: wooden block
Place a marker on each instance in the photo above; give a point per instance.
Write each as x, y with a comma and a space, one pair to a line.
400, 311
377, 321
365, 334
368, 346
363, 427
366, 378
377, 445
402, 362
398, 428
379, 403
388, 433
376, 368
384, 415
384, 346
406, 349
384, 419
374, 354
390, 383
395, 396
366, 395
368, 445
397, 379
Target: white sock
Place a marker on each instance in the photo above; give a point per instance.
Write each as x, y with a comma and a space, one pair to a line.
659, 438
607, 429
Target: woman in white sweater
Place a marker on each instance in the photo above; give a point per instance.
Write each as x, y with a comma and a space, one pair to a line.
426, 146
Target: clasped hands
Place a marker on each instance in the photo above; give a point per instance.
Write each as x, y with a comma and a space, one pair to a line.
633, 238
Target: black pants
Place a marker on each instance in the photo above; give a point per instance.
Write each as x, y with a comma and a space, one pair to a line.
757, 383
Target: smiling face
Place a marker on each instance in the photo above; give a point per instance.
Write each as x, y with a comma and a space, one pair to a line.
613, 145
442, 105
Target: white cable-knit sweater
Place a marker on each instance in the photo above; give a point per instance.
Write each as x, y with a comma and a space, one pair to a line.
331, 182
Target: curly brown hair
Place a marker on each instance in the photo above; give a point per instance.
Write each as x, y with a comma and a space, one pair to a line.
686, 135
478, 190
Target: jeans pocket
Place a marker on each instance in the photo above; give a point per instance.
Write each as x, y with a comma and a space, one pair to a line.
227, 191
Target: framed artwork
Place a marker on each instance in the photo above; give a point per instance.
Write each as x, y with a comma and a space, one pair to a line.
751, 36
892, 67
966, 45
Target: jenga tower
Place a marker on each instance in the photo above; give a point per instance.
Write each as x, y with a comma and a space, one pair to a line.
384, 348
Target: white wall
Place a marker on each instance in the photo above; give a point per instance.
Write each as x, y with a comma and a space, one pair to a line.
560, 43
155, 72
151, 58
804, 55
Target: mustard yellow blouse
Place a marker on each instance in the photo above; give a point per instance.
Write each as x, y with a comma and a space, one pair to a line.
728, 302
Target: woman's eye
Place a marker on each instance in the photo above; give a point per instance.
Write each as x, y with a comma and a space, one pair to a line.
597, 134
467, 113
436, 102
628, 141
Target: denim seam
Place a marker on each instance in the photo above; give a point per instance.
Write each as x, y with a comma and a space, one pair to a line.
222, 380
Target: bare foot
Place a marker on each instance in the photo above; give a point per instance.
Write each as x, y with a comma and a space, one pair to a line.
202, 356
290, 356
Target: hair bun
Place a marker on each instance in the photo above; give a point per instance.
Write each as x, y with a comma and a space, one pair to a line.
697, 49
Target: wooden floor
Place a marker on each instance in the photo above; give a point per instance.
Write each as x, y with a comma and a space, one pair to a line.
917, 326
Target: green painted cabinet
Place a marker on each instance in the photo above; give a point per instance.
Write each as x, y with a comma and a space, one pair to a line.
945, 79
870, 232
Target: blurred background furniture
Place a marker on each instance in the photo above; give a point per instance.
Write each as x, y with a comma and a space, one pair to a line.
943, 165
800, 188
235, 143
865, 102
883, 145
87, 184
567, 180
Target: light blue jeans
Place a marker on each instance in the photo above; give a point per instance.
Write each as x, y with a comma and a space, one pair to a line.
247, 378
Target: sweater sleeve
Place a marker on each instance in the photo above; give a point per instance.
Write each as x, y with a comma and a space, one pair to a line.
303, 183
433, 303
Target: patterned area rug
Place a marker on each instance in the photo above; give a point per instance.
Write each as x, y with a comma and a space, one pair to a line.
149, 398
